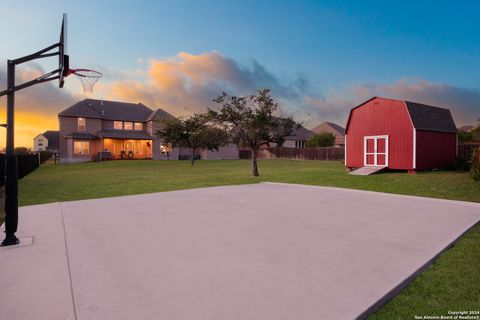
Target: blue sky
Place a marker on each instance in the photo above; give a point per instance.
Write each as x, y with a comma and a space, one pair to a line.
334, 52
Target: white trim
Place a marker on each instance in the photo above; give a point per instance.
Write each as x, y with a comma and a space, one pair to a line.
414, 148
375, 153
345, 151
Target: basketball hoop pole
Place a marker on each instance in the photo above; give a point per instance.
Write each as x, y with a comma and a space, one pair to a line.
11, 166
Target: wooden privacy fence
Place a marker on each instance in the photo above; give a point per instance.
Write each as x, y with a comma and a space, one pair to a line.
465, 151
329, 153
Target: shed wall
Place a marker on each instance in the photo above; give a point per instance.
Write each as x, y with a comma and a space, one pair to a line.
381, 117
435, 149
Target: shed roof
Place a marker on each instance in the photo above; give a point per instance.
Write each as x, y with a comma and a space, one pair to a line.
424, 117
109, 110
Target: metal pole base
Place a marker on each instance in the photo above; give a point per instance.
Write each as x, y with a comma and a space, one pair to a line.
10, 240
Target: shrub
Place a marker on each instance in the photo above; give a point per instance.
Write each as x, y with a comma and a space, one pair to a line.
475, 164
324, 139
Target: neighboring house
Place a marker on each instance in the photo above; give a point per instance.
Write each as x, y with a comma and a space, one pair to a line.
465, 128
333, 128
47, 141
95, 129
298, 138
399, 135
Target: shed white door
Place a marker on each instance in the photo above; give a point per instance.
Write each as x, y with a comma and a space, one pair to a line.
375, 151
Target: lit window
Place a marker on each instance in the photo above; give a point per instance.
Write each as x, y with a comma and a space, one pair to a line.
117, 125
138, 126
138, 146
128, 125
81, 147
81, 124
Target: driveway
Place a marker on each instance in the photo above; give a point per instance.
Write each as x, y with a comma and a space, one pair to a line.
261, 251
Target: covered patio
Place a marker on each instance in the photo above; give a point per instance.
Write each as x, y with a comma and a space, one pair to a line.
125, 145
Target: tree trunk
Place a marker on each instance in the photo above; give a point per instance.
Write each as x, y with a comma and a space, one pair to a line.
254, 163
192, 157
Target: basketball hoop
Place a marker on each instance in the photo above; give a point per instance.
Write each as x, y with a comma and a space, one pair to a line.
87, 77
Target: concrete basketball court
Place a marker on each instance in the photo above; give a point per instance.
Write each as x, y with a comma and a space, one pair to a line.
262, 251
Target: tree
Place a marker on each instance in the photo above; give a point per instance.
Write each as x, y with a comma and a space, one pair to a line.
250, 121
194, 133
22, 150
465, 136
323, 139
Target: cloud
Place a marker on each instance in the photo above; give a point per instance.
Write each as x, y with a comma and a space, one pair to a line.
187, 83
464, 103
35, 107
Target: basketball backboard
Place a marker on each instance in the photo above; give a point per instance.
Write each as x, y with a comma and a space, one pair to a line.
63, 62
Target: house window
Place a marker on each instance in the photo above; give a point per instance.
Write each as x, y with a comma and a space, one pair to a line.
81, 147
138, 126
117, 125
128, 125
81, 124
40, 144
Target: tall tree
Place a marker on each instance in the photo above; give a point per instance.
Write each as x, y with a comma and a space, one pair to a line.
323, 139
251, 121
194, 133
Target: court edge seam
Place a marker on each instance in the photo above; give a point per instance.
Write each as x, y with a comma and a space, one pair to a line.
67, 255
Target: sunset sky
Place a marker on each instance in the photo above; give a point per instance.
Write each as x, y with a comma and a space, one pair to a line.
320, 58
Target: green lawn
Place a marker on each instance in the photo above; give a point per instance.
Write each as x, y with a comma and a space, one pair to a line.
451, 283
52, 183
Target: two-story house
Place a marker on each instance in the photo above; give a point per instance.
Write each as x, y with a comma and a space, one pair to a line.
98, 129
119, 129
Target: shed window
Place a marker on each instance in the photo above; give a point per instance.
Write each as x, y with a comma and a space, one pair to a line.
117, 125
81, 124
81, 147
128, 125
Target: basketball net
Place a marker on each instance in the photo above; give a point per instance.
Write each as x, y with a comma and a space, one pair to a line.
87, 77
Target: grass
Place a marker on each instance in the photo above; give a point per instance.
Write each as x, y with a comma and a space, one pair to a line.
451, 283
53, 183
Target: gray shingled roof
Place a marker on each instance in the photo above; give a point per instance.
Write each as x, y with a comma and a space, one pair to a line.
109, 110
122, 134
53, 138
81, 135
160, 114
332, 125
425, 117
300, 134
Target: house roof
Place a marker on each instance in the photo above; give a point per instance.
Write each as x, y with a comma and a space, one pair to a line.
300, 134
159, 114
81, 135
465, 128
109, 110
425, 117
329, 125
122, 134
53, 138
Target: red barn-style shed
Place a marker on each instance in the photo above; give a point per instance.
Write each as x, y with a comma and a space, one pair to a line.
400, 135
